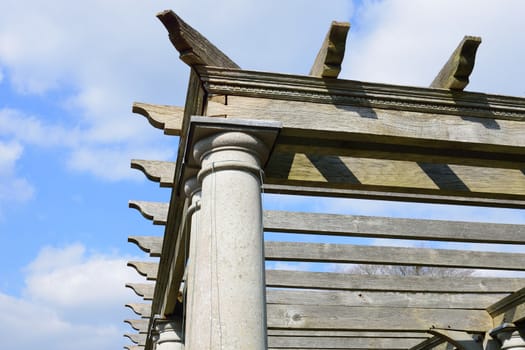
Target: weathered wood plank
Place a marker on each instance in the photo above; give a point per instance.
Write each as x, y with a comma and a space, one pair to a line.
460, 339
375, 318
429, 344
149, 244
347, 253
158, 171
456, 71
139, 325
141, 309
139, 339
146, 269
167, 118
194, 48
319, 343
320, 189
155, 211
385, 227
509, 309
328, 62
343, 281
144, 290
383, 299
381, 133
345, 334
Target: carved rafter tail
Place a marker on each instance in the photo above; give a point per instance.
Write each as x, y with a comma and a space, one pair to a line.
455, 73
193, 47
330, 57
167, 118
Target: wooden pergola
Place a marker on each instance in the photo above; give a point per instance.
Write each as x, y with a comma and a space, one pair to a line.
242, 132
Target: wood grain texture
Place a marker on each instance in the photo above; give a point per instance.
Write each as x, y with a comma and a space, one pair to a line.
345, 334
509, 309
383, 299
456, 71
347, 253
144, 290
149, 244
429, 344
320, 343
157, 171
193, 47
328, 62
141, 309
164, 117
155, 211
374, 318
423, 284
146, 269
140, 326
385, 227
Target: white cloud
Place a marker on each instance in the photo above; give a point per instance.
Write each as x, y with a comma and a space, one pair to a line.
13, 188
79, 300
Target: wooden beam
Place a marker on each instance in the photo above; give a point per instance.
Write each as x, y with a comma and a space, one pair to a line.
149, 244
345, 334
385, 227
374, 318
424, 284
141, 309
328, 62
383, 299
194, 48
510, 309
347, 253
139, 325
455, 73
158, 171
146, 269
429, 344
142, 289
167, 118
139, 339
155, 211
321, 343
460, 339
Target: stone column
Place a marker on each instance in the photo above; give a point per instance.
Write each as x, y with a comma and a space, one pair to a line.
169, 335
193, 192
509, 336
229, 304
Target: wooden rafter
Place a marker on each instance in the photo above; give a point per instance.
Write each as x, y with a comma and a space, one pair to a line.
328, 62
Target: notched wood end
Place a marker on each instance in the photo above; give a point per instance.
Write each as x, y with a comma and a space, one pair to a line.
148, 244
330, 57
164, 117
155, 211
157, 171
143, 310
146, 269
139, 339
139, 325
142, 289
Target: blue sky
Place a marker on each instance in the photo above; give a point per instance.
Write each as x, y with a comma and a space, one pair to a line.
69, 73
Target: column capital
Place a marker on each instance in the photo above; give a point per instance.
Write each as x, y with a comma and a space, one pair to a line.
509, 335
169, 334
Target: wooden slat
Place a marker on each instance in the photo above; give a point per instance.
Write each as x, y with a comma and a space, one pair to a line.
429, 344
345, 334
381, 133
343, 281
328, 62
158, 171
149, 244
374, 318
319, 343
142, 289
347, 253
139, 325
455, 73
139, 339
194, 48
167, 118
383, 299
141, 309
384, 227
146, 269
155, 211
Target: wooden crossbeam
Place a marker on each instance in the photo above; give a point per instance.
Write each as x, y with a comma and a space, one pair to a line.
509, 309
139, 325
167, 118
383, 299
139, 339
146, 269
141, 309
460, 339
455, 73
374, 318
423, 284
155, 211
347, 253
385, 227
142, 289
157, 171
345, 334
149, 244
429, 344
328, 62
321, 343
194, 48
